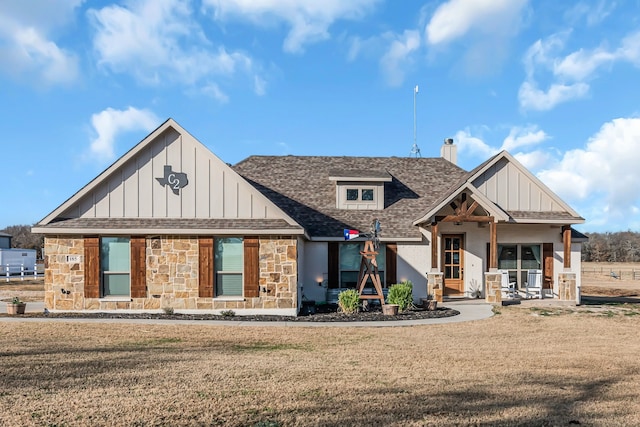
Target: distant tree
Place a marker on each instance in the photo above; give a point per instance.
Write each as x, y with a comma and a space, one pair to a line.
23, 238
621, 246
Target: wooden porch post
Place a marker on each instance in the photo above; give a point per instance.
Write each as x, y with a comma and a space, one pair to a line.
493, 246
566, 239
434, 246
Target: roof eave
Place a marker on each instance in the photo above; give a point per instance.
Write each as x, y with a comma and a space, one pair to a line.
170, 231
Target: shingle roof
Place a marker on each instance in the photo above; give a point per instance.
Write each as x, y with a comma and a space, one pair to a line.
300, 186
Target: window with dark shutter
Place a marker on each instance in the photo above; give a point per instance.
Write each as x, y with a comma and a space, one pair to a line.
92, 267
251, 267
333, 265
138, 267
206, 278
547, 265
391, 264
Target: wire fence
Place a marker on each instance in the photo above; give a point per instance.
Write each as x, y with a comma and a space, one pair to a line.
616, 273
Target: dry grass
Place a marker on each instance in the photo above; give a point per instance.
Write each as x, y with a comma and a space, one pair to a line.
525, 366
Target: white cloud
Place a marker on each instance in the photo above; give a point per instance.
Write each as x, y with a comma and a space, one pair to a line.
532, 98
520, 142
259, 85
469, 145
27, 50
397, 57
569, 73
581, 64
593, 13
159, 41
308, 20
455, 18
213, 90
523, 137
603, 177
110, 123
534, 160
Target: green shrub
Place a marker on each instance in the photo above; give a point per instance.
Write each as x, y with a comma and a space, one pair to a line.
401, 294
228, 313
349, 301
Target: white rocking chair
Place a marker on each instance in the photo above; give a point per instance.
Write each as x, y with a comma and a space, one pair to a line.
507, 288
534, 283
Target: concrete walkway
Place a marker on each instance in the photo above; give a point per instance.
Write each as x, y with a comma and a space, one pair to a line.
468, 311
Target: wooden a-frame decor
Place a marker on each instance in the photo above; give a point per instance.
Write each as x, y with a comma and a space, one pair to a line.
369, 269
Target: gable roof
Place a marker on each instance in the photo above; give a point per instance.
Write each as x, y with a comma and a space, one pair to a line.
302, 187
525, 200
131, 196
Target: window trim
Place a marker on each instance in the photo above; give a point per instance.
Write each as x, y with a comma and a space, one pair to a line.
519, 272
103, 273
218, 273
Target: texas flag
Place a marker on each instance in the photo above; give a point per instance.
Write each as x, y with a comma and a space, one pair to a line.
350, 234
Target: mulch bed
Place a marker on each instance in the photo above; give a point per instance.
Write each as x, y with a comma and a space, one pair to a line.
323, 314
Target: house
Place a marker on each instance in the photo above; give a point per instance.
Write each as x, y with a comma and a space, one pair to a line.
169, 224
5, 240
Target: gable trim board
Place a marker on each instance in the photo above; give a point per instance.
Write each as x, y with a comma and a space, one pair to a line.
284, 208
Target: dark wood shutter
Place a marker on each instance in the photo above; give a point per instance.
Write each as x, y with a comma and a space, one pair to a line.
391, 267
138, 267
333, 265
547, 265
92, 267
206, 273
488, 261
251, 267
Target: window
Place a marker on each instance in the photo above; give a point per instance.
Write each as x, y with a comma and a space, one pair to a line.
367, 194
352, 194
115, 268
228, 253
357, 194
517, 259
350, 259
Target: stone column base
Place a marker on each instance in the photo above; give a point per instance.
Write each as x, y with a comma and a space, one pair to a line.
567, 287
435, 285
493, 293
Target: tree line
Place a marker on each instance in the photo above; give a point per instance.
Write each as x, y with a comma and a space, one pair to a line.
622, 246
23, 238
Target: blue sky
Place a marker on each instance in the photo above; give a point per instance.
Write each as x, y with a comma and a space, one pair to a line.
554, 83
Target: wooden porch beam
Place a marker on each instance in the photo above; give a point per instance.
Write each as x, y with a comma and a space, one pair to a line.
493, 246
566, 239
465, 218
434, 246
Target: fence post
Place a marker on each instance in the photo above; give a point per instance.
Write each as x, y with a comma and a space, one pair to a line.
7, 271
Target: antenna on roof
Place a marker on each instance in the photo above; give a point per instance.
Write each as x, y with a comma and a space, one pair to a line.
415, 151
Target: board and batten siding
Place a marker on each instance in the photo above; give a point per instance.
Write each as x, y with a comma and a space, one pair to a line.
214, 190
513, 190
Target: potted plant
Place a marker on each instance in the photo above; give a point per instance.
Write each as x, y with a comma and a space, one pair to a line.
16, 306
401, 296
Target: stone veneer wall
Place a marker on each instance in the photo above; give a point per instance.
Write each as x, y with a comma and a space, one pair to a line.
172, 277
567, 283
63, 281
493, 293
435, 286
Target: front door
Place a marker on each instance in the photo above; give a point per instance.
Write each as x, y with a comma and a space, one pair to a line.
453, 264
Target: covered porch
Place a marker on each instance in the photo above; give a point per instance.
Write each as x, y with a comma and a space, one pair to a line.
479, 251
